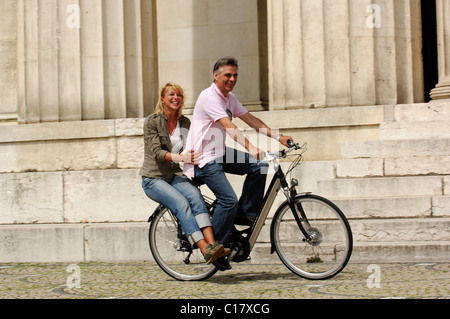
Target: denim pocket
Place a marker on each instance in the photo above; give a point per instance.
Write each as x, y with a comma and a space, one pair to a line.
146, 181
210, 164
210, 169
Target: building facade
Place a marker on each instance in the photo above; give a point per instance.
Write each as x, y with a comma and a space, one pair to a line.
73, 60
77, 77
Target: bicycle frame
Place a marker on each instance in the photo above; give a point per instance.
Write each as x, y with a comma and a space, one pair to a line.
278, 182
268, 201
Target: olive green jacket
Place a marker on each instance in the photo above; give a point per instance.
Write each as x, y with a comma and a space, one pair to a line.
157, 144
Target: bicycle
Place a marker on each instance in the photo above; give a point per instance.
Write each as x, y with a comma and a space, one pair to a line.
310, 234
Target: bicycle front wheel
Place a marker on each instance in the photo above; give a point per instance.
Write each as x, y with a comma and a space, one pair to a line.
327, 246
172, 251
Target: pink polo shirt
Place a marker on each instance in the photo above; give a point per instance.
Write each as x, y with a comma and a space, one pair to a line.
206, 134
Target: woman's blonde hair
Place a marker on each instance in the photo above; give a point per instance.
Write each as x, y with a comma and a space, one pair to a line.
159, 109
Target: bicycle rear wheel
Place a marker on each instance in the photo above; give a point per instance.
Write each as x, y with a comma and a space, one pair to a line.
172, 251
328, 247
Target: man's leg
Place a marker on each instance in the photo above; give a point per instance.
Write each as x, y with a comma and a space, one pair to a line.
240, 163
225, 211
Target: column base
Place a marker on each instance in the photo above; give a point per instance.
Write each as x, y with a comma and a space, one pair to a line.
440, 92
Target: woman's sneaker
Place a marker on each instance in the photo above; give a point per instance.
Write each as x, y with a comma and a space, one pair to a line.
222, 262
226, 251
213, 252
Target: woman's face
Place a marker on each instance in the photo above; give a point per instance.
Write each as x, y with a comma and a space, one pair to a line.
172, 99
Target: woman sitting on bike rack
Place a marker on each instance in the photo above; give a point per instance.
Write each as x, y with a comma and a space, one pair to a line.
162, 179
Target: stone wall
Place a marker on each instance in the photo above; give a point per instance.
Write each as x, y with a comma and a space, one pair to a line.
91, 167
80, 75
84, 202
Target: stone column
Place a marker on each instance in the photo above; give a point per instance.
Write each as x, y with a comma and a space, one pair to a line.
85, 59
442, 90
8, 61
326, 53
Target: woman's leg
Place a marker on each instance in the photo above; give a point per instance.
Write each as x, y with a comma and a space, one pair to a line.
167, 195
186, 187
189, 190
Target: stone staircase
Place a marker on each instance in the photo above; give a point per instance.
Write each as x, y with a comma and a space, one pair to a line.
396, 190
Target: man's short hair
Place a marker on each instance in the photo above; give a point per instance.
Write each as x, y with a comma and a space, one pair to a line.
225, 61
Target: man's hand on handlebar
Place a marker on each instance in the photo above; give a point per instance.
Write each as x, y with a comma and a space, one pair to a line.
287, 141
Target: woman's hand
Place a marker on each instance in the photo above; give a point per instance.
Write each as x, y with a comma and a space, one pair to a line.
190, 157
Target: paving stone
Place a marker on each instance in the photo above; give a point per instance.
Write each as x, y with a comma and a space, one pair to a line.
245, 281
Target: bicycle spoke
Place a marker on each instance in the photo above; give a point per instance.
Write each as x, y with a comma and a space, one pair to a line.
327, 248
171, 251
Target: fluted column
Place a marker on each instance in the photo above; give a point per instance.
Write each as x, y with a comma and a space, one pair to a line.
85, 59
442, 90
325, 53
8, 74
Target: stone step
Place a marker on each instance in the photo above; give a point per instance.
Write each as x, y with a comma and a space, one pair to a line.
93, 196
420, 251
74, 242
436, 110
401, 230
393, 166
396, 148
418, 165
414, 130
388, 230
374, 252
387, 240
383, 187
394, 207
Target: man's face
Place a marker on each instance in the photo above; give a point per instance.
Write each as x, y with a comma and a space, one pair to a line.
226, 80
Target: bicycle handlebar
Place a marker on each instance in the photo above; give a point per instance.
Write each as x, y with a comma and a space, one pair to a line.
291, 143
271, 156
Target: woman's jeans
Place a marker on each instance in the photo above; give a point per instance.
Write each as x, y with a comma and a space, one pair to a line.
183, 198
250, 202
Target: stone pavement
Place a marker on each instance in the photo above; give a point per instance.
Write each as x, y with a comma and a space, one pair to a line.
144, 280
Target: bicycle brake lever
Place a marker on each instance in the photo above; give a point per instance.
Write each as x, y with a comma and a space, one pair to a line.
291, 143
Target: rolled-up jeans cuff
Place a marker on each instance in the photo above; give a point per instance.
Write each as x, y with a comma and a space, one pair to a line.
196, 237
203, 220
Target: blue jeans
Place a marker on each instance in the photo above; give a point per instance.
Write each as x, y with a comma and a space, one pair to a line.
249, 204
183, 198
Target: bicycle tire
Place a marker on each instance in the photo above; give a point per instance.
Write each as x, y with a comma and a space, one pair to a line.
170, 251
330, 248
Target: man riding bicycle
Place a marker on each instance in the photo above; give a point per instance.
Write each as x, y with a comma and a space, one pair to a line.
212, 120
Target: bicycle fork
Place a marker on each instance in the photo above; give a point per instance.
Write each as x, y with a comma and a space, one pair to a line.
296, 209
300, 217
